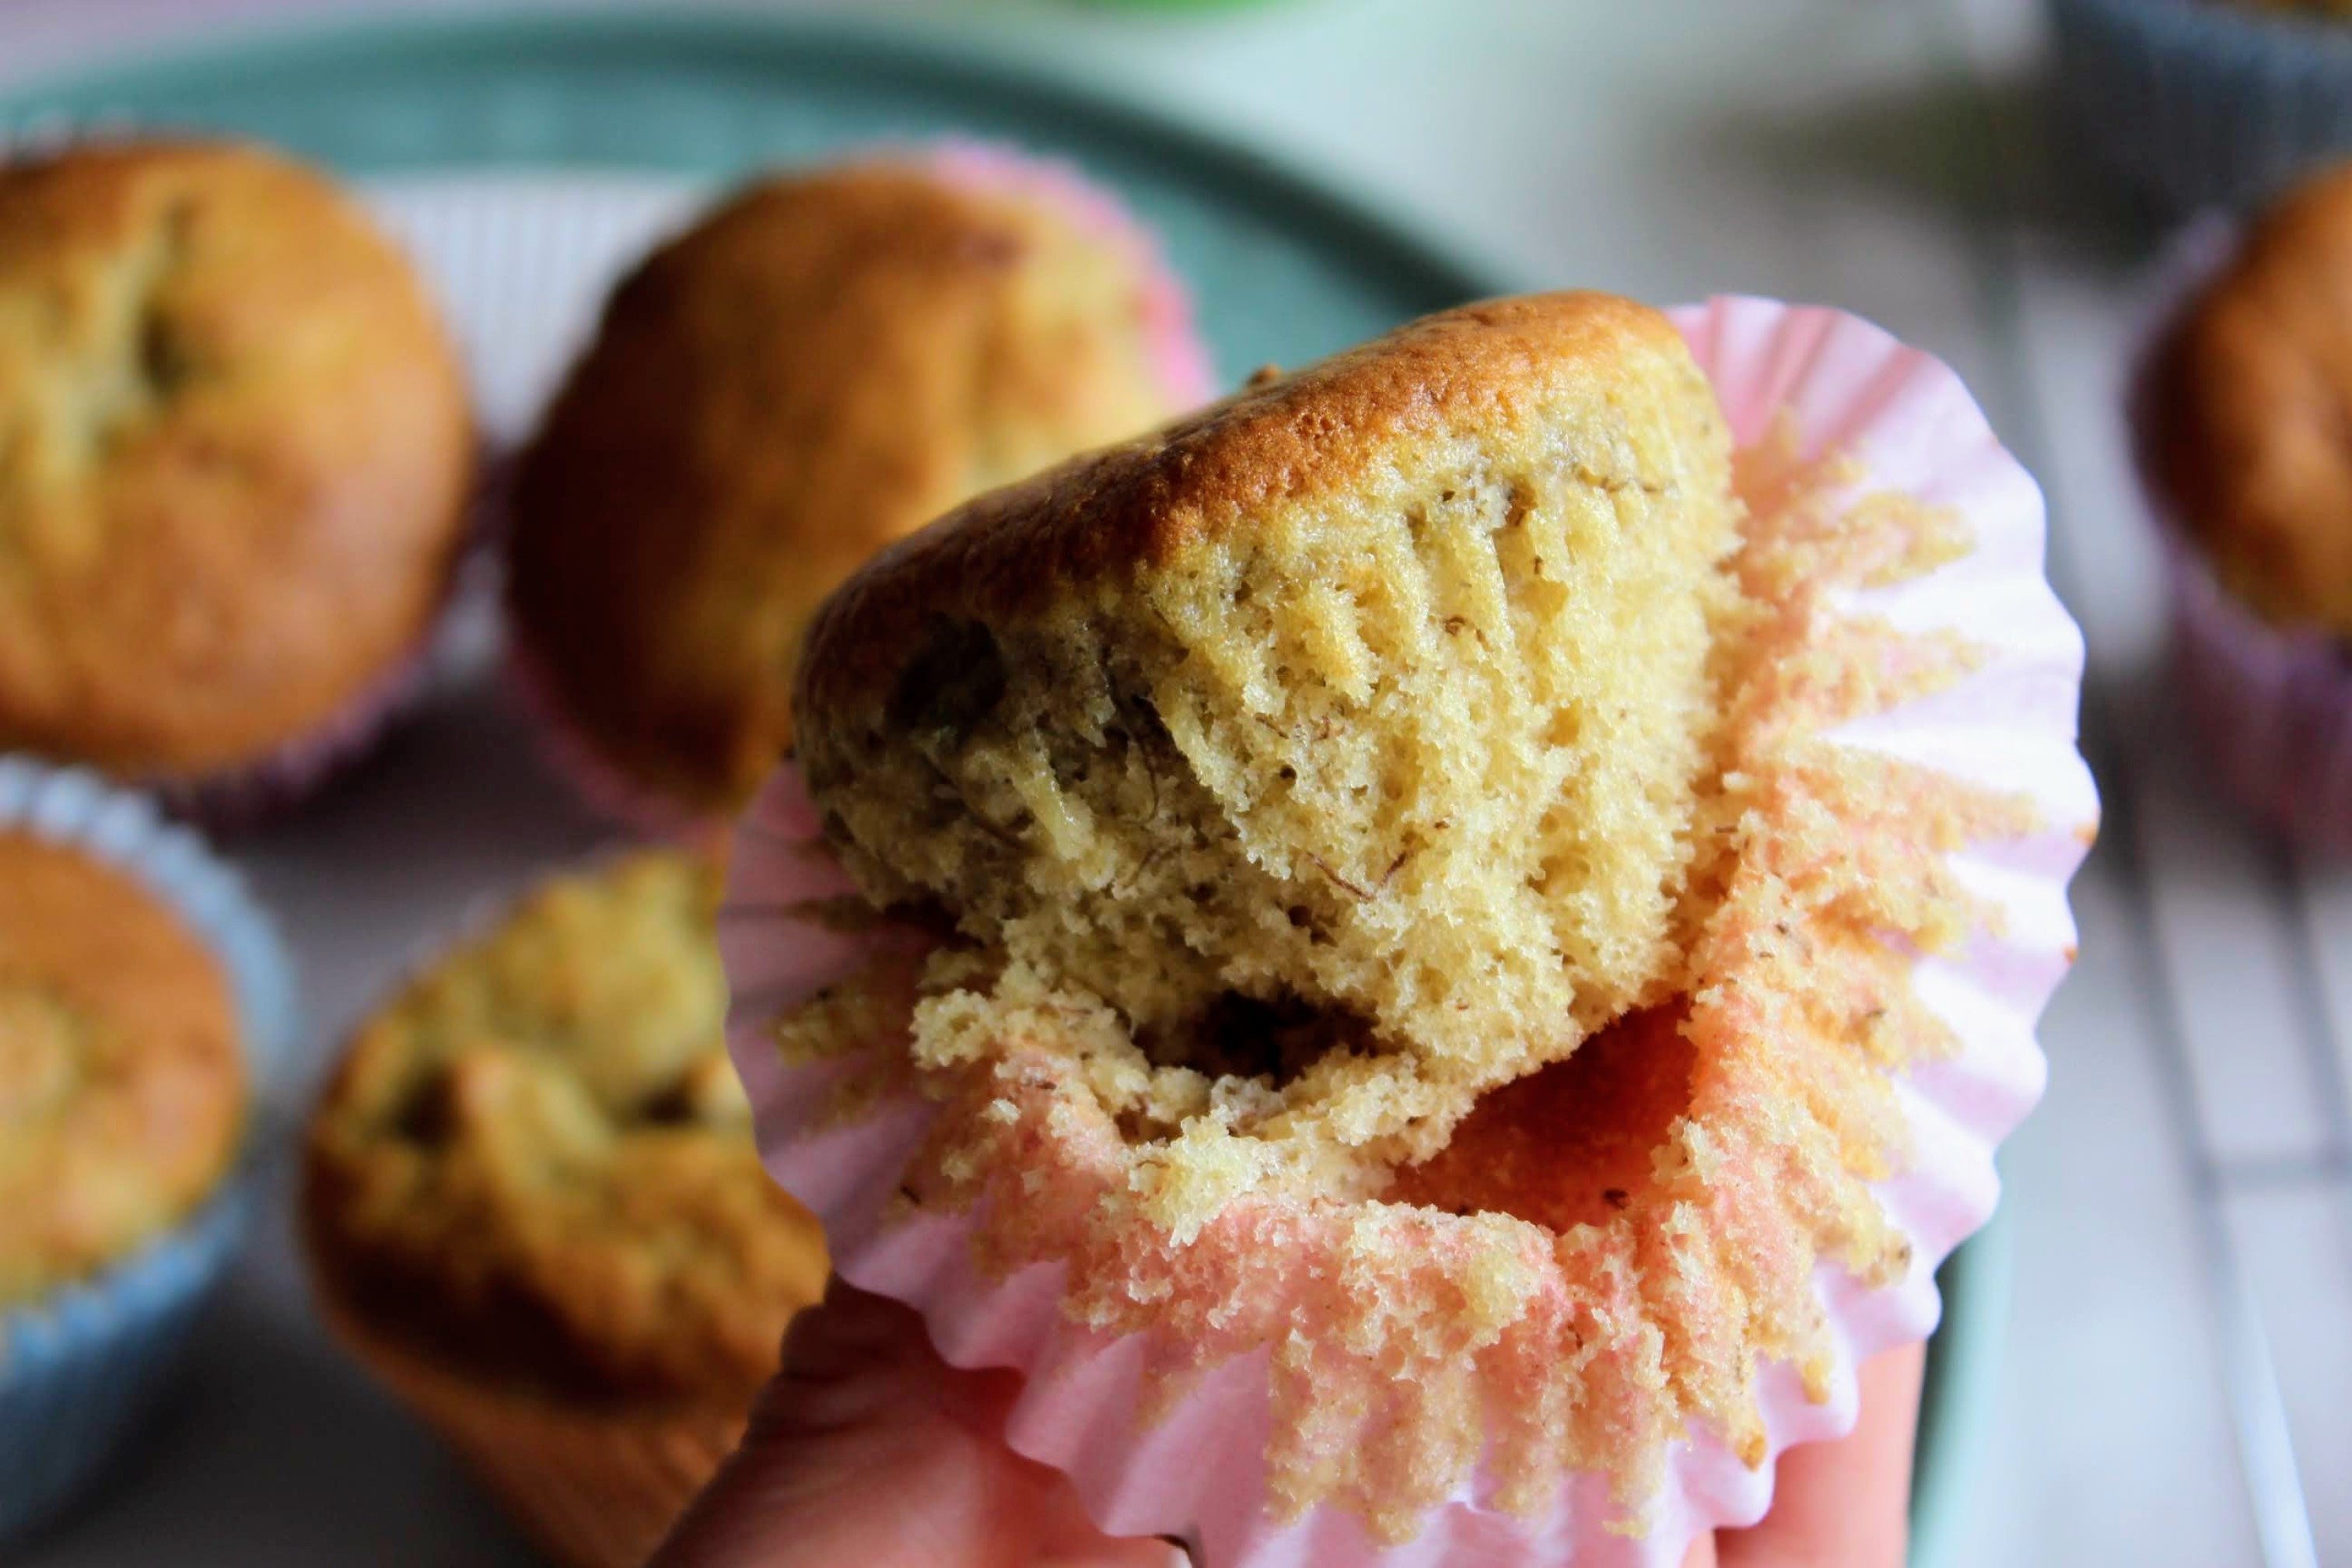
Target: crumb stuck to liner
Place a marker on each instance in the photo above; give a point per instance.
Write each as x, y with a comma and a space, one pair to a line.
1485, 1362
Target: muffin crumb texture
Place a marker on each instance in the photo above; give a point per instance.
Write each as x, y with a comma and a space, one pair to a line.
121, 1083
535, 1162
1566, 1256
1358, 766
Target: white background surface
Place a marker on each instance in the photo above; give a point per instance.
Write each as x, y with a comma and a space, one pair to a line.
1883, 155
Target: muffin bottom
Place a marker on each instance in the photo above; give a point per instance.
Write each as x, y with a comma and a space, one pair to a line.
591, 1488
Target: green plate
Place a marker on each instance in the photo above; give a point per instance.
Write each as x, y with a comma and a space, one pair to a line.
1284, 269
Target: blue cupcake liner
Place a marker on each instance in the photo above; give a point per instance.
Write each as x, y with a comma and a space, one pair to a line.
81, 1367
2200, 103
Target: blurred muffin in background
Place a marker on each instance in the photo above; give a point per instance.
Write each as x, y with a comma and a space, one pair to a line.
122, 1091
235, 461
2246, 454
533, 1208
2198, 104
823, 364
142, 996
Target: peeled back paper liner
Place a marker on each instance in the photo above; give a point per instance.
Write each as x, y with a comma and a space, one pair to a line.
1903, 423
587, 232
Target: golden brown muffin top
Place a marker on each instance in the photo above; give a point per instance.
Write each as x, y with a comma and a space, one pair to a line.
234, 453
1378, 693
2247, 429
1501, 370
122, 1087
536, 1164
821, 365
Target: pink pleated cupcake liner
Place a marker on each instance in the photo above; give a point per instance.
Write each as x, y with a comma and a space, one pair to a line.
1199, 1473
2271, 706
2273, 709
603, 785
1178, 356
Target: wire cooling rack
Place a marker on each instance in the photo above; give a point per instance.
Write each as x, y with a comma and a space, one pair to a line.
2239, 949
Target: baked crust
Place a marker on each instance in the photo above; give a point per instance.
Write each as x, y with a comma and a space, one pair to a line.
820, 366
122, 1087
234, 455
1502, 364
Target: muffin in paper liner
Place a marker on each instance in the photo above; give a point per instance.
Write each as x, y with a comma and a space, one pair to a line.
2204, 103
1973, 676
594, 1482
2272, 705
276, 781
81, 1369
1180, 359
592, 1489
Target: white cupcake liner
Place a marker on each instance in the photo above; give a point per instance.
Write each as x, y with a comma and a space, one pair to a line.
2272, 705
80, 1368
1201, 1472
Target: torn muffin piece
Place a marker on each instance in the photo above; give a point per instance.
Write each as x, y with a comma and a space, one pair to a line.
1355, 722
1607, 1255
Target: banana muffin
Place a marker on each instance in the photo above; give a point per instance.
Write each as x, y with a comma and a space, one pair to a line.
1387, 911
234, 459
827, 362
533, 1207
123, 1089
2245, 459
2244, 425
